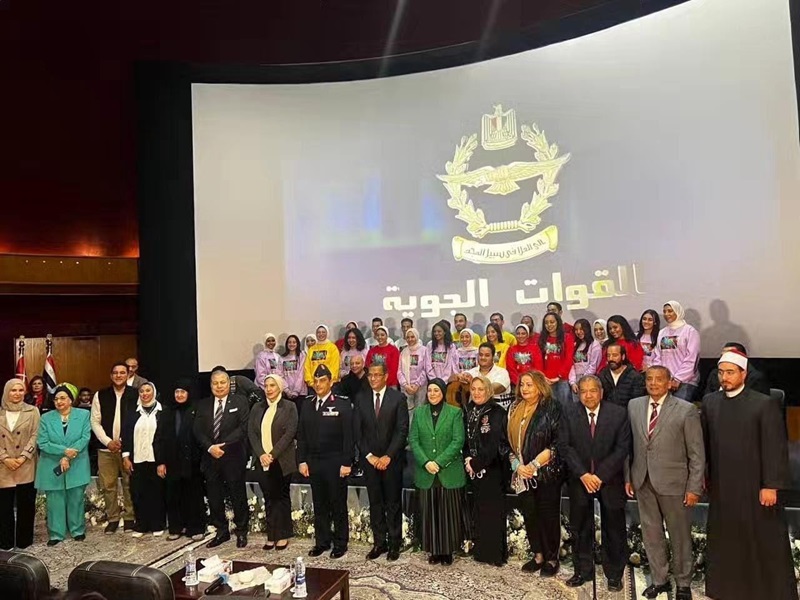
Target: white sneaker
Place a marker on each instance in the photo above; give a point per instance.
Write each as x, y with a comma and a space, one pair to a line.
137, 534
158, 533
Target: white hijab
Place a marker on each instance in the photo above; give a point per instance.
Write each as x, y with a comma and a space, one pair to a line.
679, 319
405, 355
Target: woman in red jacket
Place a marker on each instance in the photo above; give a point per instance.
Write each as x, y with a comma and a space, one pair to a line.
556, 348
385, 354
620, 331
523, 356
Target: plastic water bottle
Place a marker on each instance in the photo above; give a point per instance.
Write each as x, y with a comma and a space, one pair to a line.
191, 569
300, 589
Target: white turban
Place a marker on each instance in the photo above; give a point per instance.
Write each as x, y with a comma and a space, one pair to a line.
734, 357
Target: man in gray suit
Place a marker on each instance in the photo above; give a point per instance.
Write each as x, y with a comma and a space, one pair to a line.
666, 476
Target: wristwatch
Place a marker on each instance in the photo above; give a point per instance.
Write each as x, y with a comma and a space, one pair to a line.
536, 464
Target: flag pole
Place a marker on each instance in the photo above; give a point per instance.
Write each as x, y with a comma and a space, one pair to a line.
20, 366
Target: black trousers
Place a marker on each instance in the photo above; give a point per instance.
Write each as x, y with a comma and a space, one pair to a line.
186, 510
223, 481
541, 510
612, 527
330, 503
385, 491
489, 515
17, 533
148, 492
275, 487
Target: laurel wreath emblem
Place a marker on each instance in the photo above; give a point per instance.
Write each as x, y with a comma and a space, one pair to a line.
529, 219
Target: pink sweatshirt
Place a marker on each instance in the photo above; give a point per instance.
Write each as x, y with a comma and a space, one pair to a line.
679, 351
291, 369
267, 362
585, 362
417, 363
467, 358
646, 342
439, 364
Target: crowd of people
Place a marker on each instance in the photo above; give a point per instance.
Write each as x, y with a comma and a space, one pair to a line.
592, 406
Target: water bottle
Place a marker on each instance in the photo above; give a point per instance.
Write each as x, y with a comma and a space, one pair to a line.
300, 590
191, 569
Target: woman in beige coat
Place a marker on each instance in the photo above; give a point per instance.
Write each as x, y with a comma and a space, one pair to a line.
19, 426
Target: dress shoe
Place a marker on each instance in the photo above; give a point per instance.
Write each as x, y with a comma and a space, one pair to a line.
434, 559
393, 554
376, 552
79, 538
576, 580
317, 550
128, 525
447, 559
532, 566
284, 547
112, 527
173, 536
549, 569
53, 542
653, 590
218, 541
198, 537
241, 540
615, 585
683, 593
338, 552
268, 546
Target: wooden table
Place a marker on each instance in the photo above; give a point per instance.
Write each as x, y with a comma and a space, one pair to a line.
322, 584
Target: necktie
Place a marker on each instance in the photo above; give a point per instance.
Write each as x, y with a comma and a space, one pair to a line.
653, 420
319, 404
377, 404
217, 419
592, 425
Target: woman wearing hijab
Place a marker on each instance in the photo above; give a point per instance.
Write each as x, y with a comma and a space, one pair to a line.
599, 331
272, 426
411, 374
37, 396
385, 353
586, 356
466, 359
442, 354
678, 349
186, 510
486, 449
144, 458
494, 335
354, 345
557, 347
436, 439
291, 370
523, 356
323, 352
649, 326
268, 360
19, 423
619, 330
62, 472
536, 468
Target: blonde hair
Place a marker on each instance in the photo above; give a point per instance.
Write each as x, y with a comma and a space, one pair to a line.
540, 383
487, 385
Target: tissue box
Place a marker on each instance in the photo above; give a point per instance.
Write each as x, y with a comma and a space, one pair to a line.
213, 567
278, 585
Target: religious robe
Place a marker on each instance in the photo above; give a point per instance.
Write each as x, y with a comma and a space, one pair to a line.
748, 544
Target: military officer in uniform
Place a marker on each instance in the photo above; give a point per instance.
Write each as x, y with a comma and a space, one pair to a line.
325, 450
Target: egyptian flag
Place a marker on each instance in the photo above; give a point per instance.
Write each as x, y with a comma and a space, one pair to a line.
20, 374
49, 372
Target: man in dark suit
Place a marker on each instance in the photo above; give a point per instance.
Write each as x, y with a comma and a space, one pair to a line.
220, 428
595, 438
382, 431
621, 382
325, 451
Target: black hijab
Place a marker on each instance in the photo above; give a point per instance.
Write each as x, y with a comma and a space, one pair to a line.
184, 383
436, 409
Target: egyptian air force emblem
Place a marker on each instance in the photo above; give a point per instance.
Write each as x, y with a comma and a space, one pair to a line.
498, 132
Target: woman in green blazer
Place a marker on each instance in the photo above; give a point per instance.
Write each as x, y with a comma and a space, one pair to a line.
436, 439
64, 441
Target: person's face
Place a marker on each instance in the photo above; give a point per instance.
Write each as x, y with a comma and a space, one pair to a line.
322, 385
405, 326
657, 382
527, 320
497, 321
16, 394
270, 343
478, 393
146, 394
460, 321
485, 358
579, 332
352, 340
435, 395
591, 394
731, 376
62, 402
381, 337
85, 397
351, 325
375, 325
310, 341
133, 366
553, 309
37, 386
438, 333
271, 389
599, 332
615, 330
220, 385
466, 339
181, 396
322, 334
491, 335
528, 389
119, 375
522, 336
411, 338
647, 321
376, 378
357, 364
291, 344
669, 313
550, 324
614, 357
